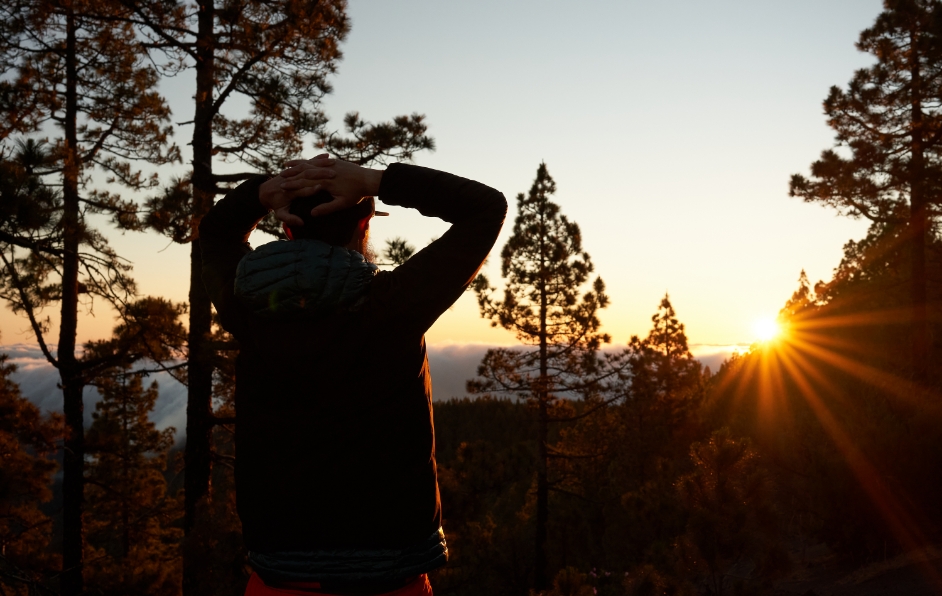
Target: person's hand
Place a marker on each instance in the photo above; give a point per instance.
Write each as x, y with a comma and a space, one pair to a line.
272, 196
347, 182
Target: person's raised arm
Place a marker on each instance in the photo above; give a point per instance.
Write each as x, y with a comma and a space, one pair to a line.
224, 234
417, 292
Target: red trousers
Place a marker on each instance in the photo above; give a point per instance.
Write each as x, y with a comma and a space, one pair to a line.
256, 587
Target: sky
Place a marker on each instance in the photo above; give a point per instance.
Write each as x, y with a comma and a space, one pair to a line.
670, 128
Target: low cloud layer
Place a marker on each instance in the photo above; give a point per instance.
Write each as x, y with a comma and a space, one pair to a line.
451, 365
39, 382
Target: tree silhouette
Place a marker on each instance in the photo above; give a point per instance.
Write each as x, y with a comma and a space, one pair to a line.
545, 270
631, 453
76, 66
132, 542
664, 386
27, 440
731, 514
888, 161
397, 251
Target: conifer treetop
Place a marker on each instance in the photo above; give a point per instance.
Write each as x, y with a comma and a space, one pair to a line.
545, 267
888, 112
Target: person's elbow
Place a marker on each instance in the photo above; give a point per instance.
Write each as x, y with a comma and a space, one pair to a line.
497, 208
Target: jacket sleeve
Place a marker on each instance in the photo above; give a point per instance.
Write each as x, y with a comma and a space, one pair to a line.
417, 292
223, 241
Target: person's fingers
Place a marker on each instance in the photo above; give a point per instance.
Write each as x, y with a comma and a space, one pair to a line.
282, 214
302, 192
308, 171
296, 183
318, 173
291, 172
305, 180
320, 160
295, 169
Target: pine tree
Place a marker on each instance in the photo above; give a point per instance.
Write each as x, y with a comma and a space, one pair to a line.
77, 67
664, 386
638, 448
888, 161
27, 441
132, 543
731, 516
545, 271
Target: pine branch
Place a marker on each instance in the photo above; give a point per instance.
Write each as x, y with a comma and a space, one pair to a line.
28, 307
27, 244
15, 575
161, 31
99, 143
236, 77
586, 413
239, 177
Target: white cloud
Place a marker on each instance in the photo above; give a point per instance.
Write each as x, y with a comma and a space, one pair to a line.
451, 366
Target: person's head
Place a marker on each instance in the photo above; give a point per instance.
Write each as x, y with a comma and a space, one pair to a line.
349, 228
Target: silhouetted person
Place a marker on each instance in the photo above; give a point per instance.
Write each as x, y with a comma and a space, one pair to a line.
336, 481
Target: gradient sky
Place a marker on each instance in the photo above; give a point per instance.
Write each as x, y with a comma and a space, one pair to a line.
671, 129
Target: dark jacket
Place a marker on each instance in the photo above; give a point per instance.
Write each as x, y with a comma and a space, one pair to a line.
335, 443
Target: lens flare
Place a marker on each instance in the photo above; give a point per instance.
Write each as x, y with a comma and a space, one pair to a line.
810, 359
766, 329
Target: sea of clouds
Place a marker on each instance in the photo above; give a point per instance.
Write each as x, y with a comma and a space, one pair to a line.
39, 382
451, 365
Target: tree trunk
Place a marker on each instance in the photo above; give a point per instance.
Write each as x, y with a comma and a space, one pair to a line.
125, 480
73, 467
541, 579
918, 224
197, 456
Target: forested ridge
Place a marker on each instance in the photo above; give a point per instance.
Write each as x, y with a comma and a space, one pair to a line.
807, 464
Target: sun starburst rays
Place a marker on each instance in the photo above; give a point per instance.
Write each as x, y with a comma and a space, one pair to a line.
804, 366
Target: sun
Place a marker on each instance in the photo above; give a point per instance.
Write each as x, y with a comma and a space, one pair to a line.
766, 329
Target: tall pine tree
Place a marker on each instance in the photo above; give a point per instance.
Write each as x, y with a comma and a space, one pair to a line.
78, 73
545, 271
131, 534
887, 165
664, 386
